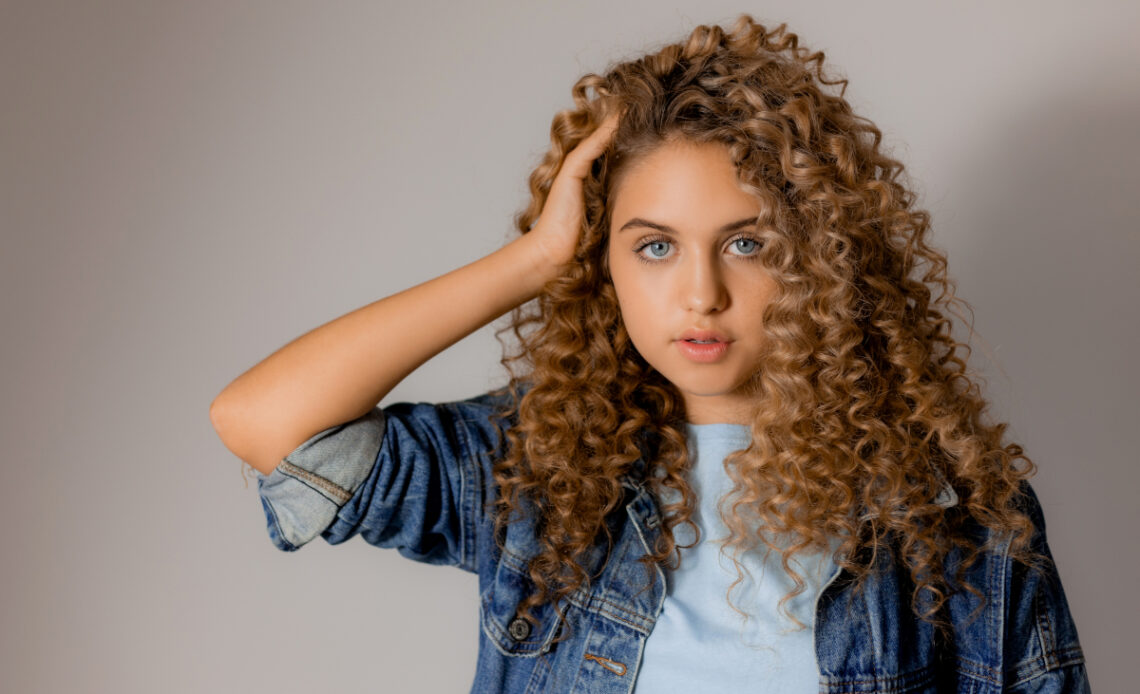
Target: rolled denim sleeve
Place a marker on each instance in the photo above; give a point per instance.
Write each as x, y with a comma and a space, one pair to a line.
411, 476
302, 495
428, 494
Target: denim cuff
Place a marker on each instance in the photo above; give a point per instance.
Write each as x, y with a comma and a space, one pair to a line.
302, 495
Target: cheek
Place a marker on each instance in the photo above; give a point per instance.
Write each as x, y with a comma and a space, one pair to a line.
640, 313
761, 298
631, 302
625, 302
757, 289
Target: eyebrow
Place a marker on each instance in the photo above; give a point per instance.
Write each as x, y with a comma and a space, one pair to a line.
640, 222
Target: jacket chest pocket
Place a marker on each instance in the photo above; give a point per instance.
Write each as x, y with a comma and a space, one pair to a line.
502, 620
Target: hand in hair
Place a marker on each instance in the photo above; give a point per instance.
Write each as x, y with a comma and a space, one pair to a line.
337, 372
560, 224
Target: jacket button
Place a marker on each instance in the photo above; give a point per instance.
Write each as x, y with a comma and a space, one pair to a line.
519, 628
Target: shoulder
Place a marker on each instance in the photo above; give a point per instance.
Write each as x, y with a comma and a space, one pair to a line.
1038, 635
998, 569
1041, 637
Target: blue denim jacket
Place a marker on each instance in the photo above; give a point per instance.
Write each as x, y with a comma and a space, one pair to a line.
417, 477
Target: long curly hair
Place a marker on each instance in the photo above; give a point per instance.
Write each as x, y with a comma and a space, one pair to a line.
865, 409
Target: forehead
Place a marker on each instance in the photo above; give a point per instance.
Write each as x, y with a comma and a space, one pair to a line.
685, 182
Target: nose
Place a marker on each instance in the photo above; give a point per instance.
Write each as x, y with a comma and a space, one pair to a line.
705, 290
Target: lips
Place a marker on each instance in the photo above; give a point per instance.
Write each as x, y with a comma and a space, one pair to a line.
703, 346
703, 336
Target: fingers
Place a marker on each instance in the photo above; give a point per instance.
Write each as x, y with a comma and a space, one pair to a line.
560, 222
578, 161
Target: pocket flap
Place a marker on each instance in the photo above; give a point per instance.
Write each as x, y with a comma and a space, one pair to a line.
500, 607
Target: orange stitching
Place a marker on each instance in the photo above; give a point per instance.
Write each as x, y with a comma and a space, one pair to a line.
607, 664
304, 475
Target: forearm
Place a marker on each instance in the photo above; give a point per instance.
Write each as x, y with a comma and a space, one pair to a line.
342, 369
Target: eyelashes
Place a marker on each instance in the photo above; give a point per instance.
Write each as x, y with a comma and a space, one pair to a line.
650, 244
656, 249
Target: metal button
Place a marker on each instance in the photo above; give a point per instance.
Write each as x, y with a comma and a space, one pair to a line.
519, 628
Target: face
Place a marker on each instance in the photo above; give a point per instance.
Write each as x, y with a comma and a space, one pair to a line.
683, 249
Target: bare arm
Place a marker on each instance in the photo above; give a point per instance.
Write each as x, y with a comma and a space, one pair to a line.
340, 370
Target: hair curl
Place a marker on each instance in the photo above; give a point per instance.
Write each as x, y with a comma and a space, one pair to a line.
864, 409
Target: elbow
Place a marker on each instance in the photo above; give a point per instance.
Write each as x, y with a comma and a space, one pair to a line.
235, 438
218, 419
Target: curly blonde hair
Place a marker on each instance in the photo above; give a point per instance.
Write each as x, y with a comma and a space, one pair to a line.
864, 410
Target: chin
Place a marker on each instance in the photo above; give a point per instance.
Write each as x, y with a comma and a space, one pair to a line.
704, 389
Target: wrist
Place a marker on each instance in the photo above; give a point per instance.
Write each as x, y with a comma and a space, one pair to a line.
536, 259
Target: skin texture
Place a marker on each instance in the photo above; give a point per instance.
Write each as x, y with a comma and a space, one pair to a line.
703, 273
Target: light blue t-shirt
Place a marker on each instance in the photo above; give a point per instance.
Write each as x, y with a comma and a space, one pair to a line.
699, 642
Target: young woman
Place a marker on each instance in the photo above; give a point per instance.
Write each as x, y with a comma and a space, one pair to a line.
739, 449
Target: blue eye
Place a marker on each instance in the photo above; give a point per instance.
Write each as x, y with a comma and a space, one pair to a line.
658, 249
746, 246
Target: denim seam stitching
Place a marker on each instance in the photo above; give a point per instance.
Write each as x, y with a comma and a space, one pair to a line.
321, 484
645, 546
633, 616
582, 663
464, 503
969, 668
635, 669
1002, 580
538, 674
901, 682
866, 614
1038, 665
1045, 631
608, 609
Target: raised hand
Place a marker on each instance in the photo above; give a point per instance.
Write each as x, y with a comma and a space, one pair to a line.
560, 223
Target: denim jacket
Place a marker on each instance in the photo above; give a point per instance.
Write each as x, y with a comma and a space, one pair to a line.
417, 477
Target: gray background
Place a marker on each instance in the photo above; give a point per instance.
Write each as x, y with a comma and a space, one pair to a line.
184, 187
